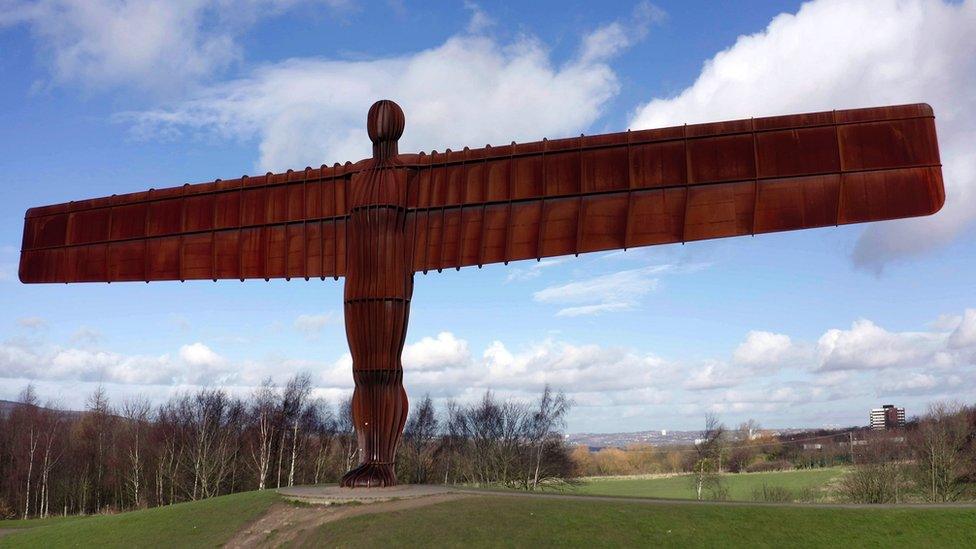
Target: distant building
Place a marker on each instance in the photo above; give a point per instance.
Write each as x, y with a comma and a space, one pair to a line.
887, 417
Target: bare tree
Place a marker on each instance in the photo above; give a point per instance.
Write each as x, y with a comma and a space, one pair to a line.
295, 409
199, 445
549, 416
136, 413
345, 429
455, 439
28, 399
98, 432
52, 420
325, 433
708, 452
419, 435
264, 406
939, 445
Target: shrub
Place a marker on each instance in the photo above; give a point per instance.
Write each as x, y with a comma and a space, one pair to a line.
764, 466
6, 511
873, 483
773, 494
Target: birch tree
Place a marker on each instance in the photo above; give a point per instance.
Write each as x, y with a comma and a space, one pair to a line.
549, 416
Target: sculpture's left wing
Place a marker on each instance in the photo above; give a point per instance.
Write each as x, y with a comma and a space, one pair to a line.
694, 182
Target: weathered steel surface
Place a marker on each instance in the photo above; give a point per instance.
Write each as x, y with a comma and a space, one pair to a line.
481, 206
679, 184
379, 286
269, 226
378, 221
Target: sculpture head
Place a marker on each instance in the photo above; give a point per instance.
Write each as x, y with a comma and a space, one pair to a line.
384, 124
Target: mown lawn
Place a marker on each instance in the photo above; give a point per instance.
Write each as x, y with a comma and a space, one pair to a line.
205, 523
498, 521
741, 486
34, 523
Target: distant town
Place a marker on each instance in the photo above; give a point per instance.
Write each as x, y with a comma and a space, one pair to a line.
887, 416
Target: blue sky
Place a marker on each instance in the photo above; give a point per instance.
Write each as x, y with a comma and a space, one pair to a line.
796, 329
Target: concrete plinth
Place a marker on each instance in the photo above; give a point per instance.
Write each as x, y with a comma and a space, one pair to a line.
332, 495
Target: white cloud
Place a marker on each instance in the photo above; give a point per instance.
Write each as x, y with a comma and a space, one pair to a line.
198, 354
914, 382
480, 21
617, 291
469, 90
152, 44
519, 273
444, 351
312, 325
855, 53
765, 374
611, 39
766, 350
867, 346
195, 363
86, 335
32, 322
585, 310
714, 375
964, 334
7, 269
833, 378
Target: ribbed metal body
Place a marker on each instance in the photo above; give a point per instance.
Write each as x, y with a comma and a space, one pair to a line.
379, 285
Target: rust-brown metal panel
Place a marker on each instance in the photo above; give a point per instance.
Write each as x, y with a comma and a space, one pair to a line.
680, 184
289, 225
511, 202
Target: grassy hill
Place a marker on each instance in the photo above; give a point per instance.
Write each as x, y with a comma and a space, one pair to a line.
805, 484
205, 523
493, 520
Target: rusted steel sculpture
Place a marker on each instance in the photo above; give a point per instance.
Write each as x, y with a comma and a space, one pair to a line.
380, 220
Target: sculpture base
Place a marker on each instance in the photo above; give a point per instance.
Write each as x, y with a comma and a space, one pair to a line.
334, 495
370, 475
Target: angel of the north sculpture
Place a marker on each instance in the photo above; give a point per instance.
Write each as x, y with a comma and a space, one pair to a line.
380, 220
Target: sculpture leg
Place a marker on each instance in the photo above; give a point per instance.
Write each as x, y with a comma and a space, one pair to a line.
379, 408
376, 328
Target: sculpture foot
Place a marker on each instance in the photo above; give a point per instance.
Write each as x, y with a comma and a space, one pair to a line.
369, 475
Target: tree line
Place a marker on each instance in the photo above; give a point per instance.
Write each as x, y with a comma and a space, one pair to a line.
931, 459
135, 454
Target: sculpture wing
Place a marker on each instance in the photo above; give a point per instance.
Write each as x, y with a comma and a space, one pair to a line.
679, 184
272, 226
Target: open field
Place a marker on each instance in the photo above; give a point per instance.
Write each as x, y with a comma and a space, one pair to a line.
526, 522
203, 523
810, 482
520, 520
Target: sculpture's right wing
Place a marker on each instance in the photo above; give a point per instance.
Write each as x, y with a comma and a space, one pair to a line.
289, 225
695, 182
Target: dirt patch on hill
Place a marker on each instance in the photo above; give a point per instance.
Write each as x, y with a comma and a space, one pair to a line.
286, 523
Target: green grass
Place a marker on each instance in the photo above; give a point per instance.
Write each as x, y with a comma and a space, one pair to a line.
516, 522
34, 523
741, 485
205, 523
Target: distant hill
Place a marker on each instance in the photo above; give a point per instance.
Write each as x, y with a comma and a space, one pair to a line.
8, 406
653, 438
